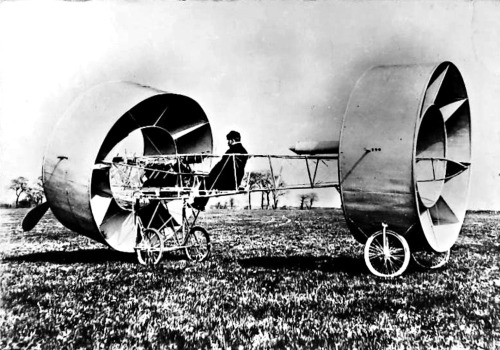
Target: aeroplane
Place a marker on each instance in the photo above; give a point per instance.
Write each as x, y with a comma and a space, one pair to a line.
403, 154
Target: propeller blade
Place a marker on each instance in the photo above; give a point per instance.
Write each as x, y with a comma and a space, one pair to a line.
34, 216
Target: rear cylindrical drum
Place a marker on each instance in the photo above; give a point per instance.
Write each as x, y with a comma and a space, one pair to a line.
405, 153
97, 127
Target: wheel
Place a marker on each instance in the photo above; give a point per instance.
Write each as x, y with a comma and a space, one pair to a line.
387, 260
430, 260
150, 249
197, 244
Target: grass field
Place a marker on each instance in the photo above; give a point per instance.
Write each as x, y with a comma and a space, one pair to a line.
276, 279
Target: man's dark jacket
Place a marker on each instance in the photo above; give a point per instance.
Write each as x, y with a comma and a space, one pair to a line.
228, 172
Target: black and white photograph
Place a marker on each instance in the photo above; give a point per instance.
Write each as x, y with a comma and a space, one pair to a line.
244, 174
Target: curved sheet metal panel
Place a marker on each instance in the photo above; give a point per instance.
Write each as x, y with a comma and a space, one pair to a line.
385, 134
78, 188
441, 220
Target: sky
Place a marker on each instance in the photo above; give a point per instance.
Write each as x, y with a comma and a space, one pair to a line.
276, 71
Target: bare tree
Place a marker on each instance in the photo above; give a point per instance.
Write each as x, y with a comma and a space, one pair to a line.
253, 182
20, 186
303, 198
35, 193
259, 180
272, 186
277, 191
313, 197
265, 185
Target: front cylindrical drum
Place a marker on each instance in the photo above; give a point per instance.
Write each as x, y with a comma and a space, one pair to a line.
404, 154
99, 126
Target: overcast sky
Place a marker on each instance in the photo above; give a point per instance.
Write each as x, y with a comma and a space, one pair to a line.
276, 71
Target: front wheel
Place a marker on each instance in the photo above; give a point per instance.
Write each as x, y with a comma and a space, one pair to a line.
387, 254
150, 248
197, 244
430, 260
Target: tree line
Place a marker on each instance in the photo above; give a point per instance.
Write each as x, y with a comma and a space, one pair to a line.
270, 186
307, 200
27, 193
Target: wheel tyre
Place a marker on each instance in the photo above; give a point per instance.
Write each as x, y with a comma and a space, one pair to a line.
430, 260
150, 249
395, 262
197, 244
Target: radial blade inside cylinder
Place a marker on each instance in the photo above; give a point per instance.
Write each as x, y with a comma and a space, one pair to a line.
431, 149
455, 194
163, 113
442, 213
449, 110
119, 229
197, 140
100, 183
100, 206
157, 141
458, 128
118, 132
454, 169
433, 90
188, 129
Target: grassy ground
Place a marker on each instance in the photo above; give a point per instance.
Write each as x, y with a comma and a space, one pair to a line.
284, 279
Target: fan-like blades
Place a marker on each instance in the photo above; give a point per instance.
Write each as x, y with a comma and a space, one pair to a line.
441, 218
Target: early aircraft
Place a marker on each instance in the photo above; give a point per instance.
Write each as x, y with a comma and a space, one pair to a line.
403, 155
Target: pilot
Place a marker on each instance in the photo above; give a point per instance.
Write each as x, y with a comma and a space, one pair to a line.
227, 174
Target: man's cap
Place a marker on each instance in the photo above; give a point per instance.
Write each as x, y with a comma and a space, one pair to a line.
233, 135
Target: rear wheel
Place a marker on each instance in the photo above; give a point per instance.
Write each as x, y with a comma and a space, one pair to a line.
150, 248
430, 260
387, 257
197, 244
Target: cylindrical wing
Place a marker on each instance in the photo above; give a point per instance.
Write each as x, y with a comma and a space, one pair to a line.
78, 188
405, 153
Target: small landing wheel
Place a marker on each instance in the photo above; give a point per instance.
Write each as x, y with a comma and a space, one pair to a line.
150, 248
386, 253
197, 244
430, 260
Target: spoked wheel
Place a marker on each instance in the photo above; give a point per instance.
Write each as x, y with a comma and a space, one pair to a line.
387, 257
197, 244
430, 260
150, 249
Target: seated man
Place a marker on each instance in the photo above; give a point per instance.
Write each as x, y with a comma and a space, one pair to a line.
227, 174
